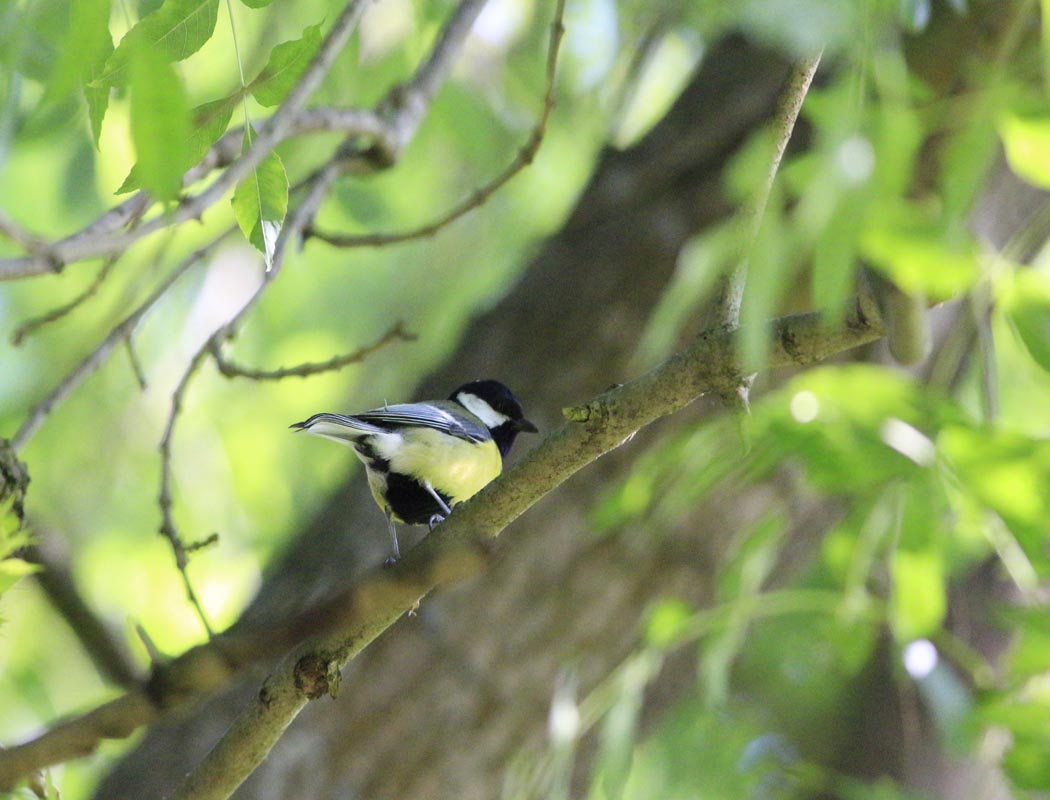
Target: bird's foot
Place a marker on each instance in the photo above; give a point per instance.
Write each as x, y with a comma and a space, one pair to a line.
434, 520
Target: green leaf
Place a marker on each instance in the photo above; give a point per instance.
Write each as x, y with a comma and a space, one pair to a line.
257, 3
86, 47
668, 621
210, 121
1028, 309
259, 204
771, 268
912, 250
286, 63
12, 570
97, 102
919, 602
160, 126
1027, 144
175, 31
834, 258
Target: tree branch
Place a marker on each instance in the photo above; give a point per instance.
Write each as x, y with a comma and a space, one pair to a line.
231, 369
455, 551
392, 126
731, 290
482, 194
103, 237
36, 416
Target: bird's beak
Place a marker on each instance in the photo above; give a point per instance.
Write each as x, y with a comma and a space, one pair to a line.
524, 426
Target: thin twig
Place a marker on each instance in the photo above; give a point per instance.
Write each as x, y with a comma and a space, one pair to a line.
482, 194
231, 369
136, 364
32, 325
93, 360
55, 314
28, 241
164, 500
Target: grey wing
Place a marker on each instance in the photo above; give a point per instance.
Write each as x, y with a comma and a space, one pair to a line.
426, 415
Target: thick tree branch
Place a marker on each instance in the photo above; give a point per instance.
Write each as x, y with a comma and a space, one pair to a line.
452, 553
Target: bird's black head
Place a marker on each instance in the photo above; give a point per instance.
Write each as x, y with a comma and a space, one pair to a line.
496, 406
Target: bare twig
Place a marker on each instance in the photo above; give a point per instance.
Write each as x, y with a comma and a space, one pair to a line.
32, 325
481, 194
136, 364
106, 651
36, 416
28, 241
164, 500
55, 314
233, 370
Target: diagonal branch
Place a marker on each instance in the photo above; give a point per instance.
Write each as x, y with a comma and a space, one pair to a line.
455, 551
93, 360
731, 291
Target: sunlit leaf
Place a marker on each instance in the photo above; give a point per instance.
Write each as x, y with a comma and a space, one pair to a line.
260, 202
159, 123
12, 570
913, 251
175, 31
1026, 141
87, 46
771, 267
286, 63
256, 3
620, 727
700, 263
667, 622
919, 601
210, 121
834, 259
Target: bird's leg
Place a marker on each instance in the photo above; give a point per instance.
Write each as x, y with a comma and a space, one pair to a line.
434, 520
436, 496
393, 538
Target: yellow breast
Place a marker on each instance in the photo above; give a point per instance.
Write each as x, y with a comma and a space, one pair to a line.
458, 469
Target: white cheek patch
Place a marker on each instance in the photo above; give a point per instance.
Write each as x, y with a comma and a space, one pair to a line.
482, 410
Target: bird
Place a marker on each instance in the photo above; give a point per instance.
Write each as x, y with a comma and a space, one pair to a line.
421, 459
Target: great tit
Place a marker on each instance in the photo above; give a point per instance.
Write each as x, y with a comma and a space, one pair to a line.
423, 458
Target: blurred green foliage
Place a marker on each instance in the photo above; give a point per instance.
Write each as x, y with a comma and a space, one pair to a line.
924, 484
